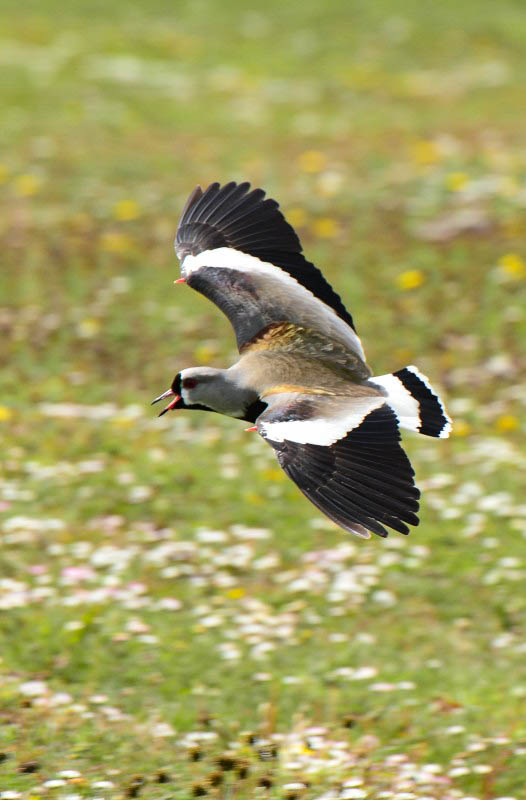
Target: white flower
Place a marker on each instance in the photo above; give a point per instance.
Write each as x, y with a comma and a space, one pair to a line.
229, 651
242, 532
138, 494
162, 729
364, 673
169, 604
98, 698
384, 598
74, 625
456, 772
503, 640
33, 688
137, 626
212, 621
454, 729
211, 537
60, 699
432, 769
262, 649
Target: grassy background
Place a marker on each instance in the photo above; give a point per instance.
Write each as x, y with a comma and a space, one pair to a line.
165, 591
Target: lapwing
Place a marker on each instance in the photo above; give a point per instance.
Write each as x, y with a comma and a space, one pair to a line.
301, 380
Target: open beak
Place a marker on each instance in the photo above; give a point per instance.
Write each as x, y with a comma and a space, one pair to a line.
172, 404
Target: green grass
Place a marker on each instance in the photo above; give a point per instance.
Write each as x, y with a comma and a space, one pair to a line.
392, 134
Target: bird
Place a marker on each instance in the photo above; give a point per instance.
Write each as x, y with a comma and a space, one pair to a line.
301, 380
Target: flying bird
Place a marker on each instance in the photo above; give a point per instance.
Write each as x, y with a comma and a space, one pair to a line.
301, 380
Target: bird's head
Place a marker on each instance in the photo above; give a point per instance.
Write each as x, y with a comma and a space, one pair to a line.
208, 389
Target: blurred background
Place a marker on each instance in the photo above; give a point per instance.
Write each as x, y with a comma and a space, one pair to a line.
161, 580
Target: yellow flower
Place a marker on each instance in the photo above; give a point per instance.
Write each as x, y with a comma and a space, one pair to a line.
236, 594
114, 242
508, 186
461, 428
123, 422
325, 227
26, 185
456, 181
512, 265
507, 423
4, 172
297, 217
312, 161
273, 474
126, 210
205, 353
425, 152
88, 328
410, 279
254, 499
5, 414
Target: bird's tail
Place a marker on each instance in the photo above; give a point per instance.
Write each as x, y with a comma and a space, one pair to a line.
414, 401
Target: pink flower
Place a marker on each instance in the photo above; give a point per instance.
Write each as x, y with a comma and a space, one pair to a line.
37, 569
76, 574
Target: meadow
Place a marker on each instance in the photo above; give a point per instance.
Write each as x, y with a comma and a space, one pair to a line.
177, 620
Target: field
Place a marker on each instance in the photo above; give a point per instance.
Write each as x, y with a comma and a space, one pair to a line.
177, 620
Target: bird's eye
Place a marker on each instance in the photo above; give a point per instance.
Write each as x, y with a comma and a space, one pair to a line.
189, 383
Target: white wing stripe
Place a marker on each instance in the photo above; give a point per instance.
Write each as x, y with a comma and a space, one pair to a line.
406, 408
322, 430
228, 258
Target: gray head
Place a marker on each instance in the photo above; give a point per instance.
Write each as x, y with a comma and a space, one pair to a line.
209, 389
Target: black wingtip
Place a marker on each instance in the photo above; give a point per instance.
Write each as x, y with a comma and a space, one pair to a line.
192, 200
233, 215
236, 216
434, 420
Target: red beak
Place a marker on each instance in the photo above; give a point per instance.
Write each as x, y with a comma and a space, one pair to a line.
172, 404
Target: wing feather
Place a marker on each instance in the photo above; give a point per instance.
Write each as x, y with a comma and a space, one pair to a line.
362, 478
224, 223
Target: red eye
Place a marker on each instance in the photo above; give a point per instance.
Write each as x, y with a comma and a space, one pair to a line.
189, 383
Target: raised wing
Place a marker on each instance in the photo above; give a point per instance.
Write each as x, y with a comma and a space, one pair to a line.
237, 249
345, 456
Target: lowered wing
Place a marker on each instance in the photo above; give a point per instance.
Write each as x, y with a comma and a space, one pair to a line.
344, 454
237, 249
